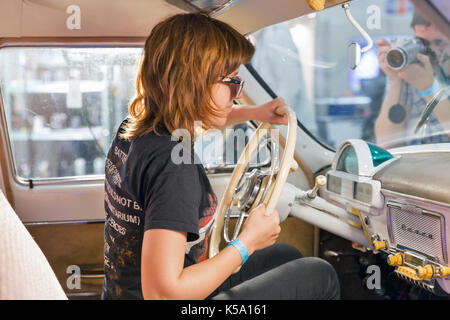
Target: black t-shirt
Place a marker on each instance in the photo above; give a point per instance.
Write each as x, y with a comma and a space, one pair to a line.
146, 189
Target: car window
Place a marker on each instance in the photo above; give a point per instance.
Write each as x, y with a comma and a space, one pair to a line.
63, 106
305, 61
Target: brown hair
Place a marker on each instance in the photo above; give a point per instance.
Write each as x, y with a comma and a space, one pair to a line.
184, 56
418, 19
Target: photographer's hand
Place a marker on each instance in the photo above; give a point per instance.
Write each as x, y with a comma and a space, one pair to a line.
383, 48
419, 75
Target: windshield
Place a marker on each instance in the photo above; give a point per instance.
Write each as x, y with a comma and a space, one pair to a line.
396, 96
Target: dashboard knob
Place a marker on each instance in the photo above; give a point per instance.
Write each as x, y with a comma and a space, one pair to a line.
378, 245
319, 183
395, 260
426, 272
442, 271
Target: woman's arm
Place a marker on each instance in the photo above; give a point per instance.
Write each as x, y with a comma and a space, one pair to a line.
264, 113
163, 275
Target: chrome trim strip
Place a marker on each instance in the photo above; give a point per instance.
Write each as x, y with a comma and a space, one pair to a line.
83, 294
430, 213
59, 223
389, 221
424, 148
417, 255
10, 163
394, 193
5, 170
92, 276
68, 42
91, 179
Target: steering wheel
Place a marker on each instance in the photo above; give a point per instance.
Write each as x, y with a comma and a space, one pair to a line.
247, 192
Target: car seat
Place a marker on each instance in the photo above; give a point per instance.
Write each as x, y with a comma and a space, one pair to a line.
25, 273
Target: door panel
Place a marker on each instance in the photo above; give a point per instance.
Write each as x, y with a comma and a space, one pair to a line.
74, 244
59, 203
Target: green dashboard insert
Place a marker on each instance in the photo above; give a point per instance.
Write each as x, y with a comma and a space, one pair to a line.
347, 161
379, 155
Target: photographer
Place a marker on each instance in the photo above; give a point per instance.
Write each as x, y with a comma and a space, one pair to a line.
411, 88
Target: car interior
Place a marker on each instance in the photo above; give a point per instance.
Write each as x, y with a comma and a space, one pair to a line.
372, 202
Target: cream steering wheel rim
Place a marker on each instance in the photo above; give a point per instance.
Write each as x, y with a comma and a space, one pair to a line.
271, 199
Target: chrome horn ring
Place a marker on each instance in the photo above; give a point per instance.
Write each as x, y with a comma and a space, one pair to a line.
250, 191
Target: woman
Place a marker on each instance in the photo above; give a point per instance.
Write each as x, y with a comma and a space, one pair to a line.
160, 214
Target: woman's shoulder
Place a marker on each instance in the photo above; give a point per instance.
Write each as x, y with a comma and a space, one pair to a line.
160, 151
153, 141
165, 148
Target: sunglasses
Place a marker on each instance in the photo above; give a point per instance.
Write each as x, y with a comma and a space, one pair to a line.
237, 84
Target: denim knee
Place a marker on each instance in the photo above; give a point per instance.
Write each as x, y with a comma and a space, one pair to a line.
325, 277
287, 250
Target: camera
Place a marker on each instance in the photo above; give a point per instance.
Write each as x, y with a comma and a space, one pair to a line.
404, 51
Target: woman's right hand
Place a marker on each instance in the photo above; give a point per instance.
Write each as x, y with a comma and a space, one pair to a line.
261, 229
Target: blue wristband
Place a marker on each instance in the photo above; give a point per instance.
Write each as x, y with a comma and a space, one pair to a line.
241, 248
430, 90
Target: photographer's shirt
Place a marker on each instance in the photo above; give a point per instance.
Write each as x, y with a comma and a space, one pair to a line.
432, 131
145, 189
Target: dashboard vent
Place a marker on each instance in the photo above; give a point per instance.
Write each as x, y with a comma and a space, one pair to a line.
415, 228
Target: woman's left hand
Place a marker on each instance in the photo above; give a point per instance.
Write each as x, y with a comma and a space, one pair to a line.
268, 112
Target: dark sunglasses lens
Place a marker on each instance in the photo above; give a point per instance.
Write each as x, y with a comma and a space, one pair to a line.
236, 85
234, 88
240, 87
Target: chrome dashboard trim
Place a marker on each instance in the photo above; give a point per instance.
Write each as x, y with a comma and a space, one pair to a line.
397, 194
423, 148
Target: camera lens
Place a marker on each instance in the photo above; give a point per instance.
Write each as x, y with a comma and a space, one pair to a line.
395, 58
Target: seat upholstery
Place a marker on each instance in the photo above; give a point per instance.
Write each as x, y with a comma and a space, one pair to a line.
24, 271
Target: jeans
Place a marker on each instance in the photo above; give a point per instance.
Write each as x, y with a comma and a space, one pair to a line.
280, 272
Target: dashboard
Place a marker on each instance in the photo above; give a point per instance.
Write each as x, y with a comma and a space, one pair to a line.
401, 203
